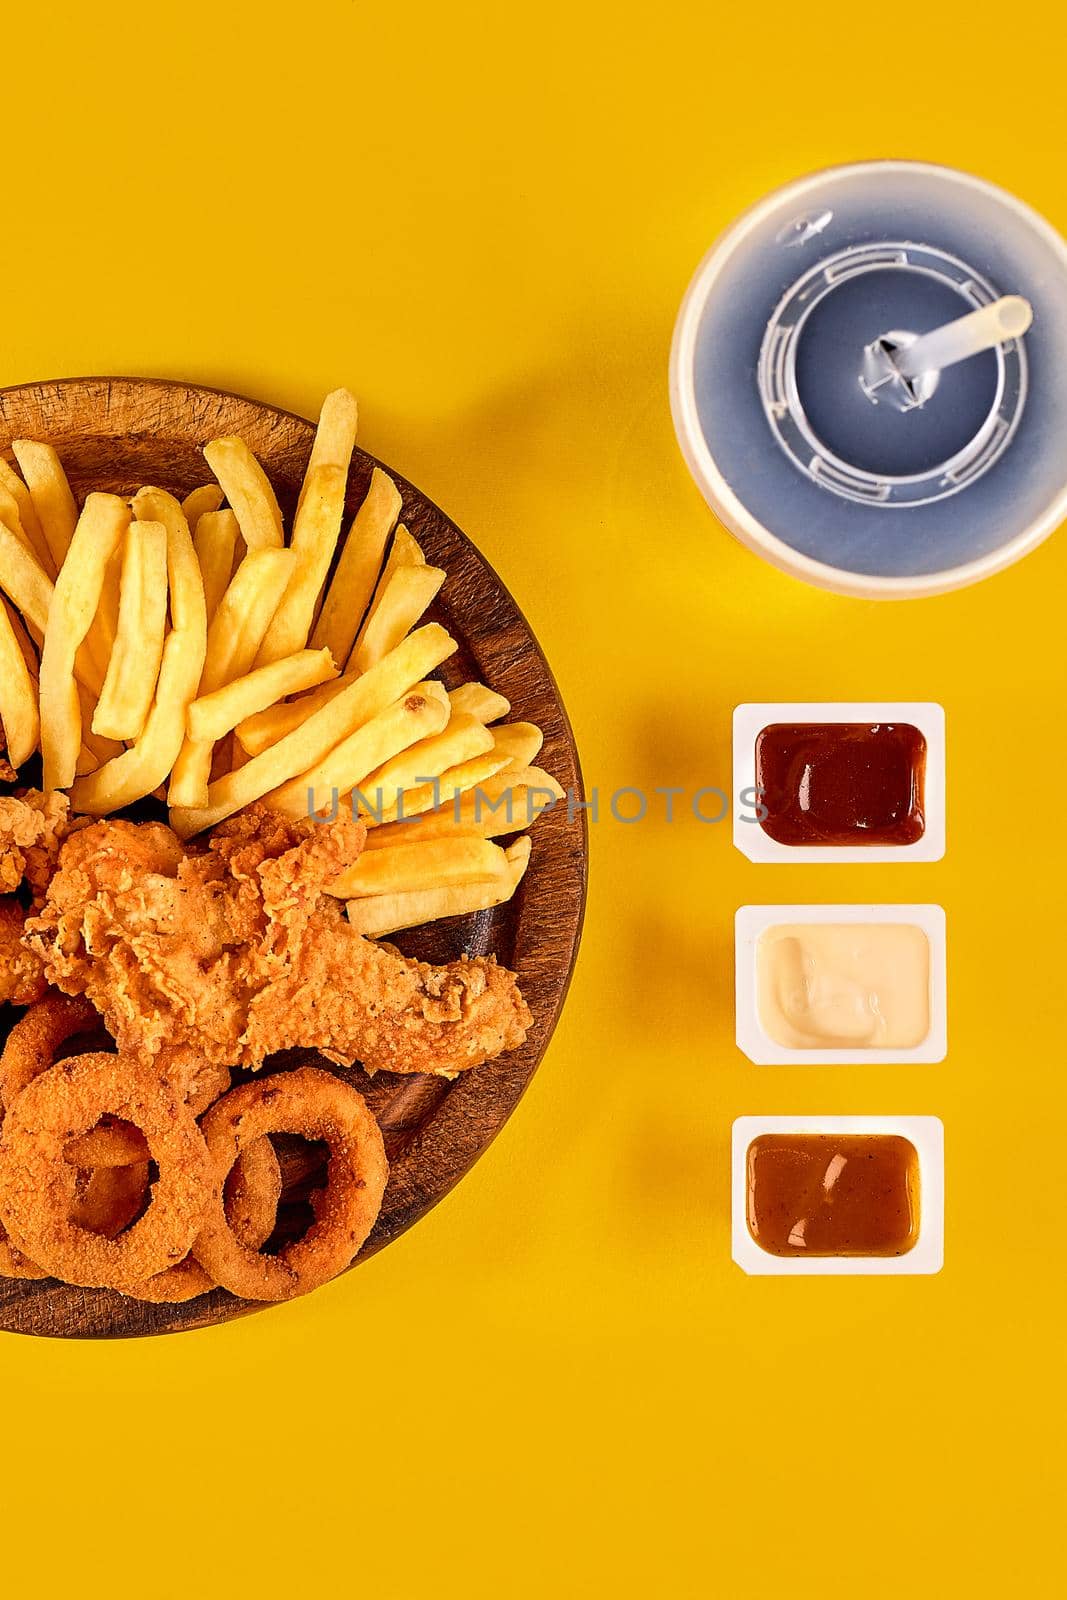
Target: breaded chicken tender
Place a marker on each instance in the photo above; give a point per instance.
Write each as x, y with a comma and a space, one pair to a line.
236, 951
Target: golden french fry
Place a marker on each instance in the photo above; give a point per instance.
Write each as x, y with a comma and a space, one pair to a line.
201, 502
215, 543
141, 769
259, 733
405, 868
394, 613
97, 536
475, 700
244, 614
26, 645
50, 495
461, 739
18, 695
307, 745
504, 803
11, 517
405, 551
443, 790
335, 436
17, 491
315, 533
352, 586
94, 744
133, 670
234, 636
103, 630
249, 492
316, 526
214, 715
520, 741
421, 711
24, 581
384, 914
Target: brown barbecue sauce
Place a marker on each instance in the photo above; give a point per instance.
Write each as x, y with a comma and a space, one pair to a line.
833, 1194
841, 783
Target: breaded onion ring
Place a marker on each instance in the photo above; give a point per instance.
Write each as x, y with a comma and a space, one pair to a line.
38, 1187
251, 1197
32, 1046
318, 1106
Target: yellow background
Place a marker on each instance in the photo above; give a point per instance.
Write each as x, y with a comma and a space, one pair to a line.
483, 219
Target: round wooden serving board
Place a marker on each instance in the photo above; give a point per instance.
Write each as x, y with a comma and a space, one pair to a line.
120, 433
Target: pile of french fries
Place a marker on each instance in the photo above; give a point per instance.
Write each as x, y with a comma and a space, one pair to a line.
187, 649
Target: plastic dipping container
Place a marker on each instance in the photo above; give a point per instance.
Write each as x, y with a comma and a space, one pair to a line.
926, 1254
926, 843
840, 999
802, 451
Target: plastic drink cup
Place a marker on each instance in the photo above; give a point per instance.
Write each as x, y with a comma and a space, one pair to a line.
869, 379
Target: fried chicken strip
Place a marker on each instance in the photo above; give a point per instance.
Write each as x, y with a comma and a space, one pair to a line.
237, 952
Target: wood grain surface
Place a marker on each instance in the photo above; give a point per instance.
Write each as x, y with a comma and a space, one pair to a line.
117, 434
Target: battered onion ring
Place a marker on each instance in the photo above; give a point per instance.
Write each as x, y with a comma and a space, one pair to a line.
31, 1048
106, 1200
318, 1106
38, 1187
33, 1042
251, 1197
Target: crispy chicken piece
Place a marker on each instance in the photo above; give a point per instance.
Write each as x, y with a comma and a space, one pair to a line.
32, 828
21, 973
237, 952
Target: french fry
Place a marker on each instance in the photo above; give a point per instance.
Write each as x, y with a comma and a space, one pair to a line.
352, 586
103, 630
11, 517
382, 914
31, 525
315, 533
475, 700
443, 790
18, 695
97, 536
244, 614
24, 581
504, 803
215, 543
395, 612
474, 813
405, 868
201, 502
26, 644
461, 739
248, 490
50, 495
405, 551
234, 636
258, 733
141, 769
316, 526
214, 715
133, 668
419, 713
94, 744
307, 745
520, 741
335, 436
